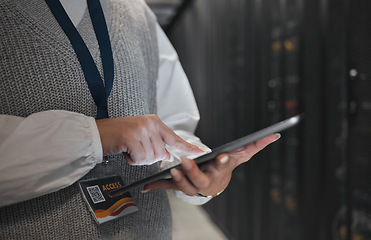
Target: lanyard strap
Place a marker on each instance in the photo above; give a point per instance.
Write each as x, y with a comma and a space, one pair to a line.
99, 92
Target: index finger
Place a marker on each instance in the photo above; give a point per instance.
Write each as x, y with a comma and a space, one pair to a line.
250, 150
172, 139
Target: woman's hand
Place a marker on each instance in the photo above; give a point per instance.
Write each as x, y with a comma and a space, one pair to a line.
141, 138
213, 177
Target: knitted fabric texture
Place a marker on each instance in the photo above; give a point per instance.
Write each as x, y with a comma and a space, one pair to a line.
40, 71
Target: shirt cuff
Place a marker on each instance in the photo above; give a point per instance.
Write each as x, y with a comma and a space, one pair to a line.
98, 153
195, 200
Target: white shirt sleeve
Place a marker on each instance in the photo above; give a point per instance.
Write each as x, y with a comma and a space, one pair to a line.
45, 152
176, 105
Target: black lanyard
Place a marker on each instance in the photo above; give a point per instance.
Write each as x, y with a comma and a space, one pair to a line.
99, 92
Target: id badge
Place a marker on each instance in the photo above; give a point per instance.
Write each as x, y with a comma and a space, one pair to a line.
103, 207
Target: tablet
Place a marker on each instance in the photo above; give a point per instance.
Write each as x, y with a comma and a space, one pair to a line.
228, 147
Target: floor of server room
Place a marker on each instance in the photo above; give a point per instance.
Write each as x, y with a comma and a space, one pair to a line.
192, 222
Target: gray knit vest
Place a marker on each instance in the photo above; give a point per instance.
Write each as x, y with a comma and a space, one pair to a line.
39, 71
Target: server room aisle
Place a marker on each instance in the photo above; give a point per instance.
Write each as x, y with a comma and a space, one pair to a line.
192, 222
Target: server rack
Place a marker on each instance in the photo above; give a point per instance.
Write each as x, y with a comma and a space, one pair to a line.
254, 62
358, 216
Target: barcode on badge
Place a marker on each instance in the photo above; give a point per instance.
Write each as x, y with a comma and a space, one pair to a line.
95, 194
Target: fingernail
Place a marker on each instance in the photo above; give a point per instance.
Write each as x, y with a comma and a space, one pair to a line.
205, 149
175, 174
186, 164
277, 137
224, 159
145, 191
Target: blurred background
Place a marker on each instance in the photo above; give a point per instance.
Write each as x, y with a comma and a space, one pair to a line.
252, 63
